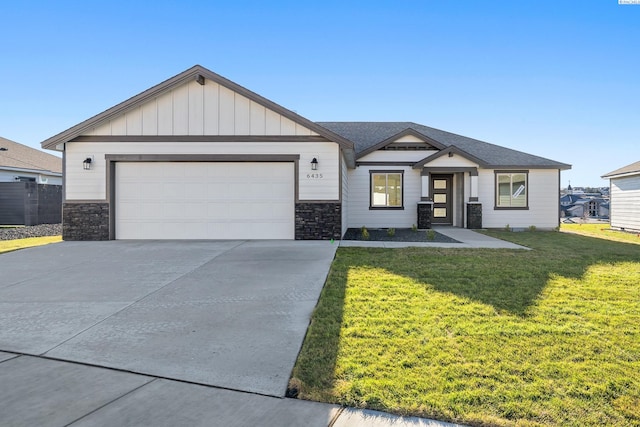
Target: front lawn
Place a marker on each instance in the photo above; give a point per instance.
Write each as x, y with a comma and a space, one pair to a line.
483, 337
602, 231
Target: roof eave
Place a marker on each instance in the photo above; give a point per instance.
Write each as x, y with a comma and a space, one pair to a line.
620, 175
559, 166
38, 171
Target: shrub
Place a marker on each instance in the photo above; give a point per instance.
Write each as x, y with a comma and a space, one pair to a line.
391, 232
414, 228
431, 235
365, 233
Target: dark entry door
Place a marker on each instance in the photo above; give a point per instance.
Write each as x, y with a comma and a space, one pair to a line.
442, 194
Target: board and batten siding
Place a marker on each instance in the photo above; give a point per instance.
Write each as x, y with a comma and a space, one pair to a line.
359, 213
91, 184
625, 203
543, 212
194, 109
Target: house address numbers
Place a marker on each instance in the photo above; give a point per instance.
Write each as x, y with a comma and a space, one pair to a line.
314, 176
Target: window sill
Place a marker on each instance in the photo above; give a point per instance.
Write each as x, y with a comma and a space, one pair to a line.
503, 208
386, 208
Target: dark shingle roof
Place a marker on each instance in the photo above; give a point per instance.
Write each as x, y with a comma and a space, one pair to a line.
367, 134
632, 168
23, 157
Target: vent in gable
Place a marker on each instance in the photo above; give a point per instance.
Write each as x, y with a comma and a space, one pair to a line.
409, 146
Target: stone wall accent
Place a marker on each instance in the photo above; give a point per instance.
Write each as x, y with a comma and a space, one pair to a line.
424, 215
318, 221
85, 221
474, 215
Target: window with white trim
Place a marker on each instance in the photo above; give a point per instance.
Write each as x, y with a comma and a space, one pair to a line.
386, 189
512, 190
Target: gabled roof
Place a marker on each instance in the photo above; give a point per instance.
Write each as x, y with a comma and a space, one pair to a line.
198, 73
632, 169
19, 156
395, 137
369, 134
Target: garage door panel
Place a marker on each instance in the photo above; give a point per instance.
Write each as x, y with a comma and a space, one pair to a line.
204, 200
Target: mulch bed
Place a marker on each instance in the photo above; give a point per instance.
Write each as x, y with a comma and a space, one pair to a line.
400, 235
19, 232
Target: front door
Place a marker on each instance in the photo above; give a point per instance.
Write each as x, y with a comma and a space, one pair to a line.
441, 191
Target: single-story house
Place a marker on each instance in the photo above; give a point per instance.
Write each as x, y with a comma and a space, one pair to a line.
624, 193
20, 163
201, 157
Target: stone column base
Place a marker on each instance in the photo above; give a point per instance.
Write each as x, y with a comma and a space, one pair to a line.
425, 211
474, 215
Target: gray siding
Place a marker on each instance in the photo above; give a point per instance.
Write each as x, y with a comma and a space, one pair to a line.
625, 203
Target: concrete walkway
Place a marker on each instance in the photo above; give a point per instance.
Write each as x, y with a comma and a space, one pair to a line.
467, 238
42, 392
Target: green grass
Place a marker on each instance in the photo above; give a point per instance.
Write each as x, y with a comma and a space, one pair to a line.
483, 337
601, 231
14, 245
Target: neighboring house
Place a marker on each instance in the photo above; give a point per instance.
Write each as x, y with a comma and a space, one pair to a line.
625, 197
21, 163
588, 207
570, 199
200, 157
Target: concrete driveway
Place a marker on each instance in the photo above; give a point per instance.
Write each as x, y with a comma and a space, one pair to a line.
229, 314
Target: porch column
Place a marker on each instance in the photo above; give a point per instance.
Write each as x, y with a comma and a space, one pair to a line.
473, 197
474, 208
424, 181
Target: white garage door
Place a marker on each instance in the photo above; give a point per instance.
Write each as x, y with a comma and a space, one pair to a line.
158, 200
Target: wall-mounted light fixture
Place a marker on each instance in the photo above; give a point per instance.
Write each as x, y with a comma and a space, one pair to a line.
314, 164
86, 163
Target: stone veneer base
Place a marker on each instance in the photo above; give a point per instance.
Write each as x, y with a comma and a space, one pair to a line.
474, 216
85, 221
318, 221
424, 215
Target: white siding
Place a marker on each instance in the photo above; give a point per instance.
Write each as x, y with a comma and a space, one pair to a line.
358, 203
543, 187
625, 203
409, 138
345, 194
91, 184
451, 162
194, 109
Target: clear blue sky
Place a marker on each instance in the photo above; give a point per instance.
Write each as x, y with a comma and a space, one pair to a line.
559, 79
